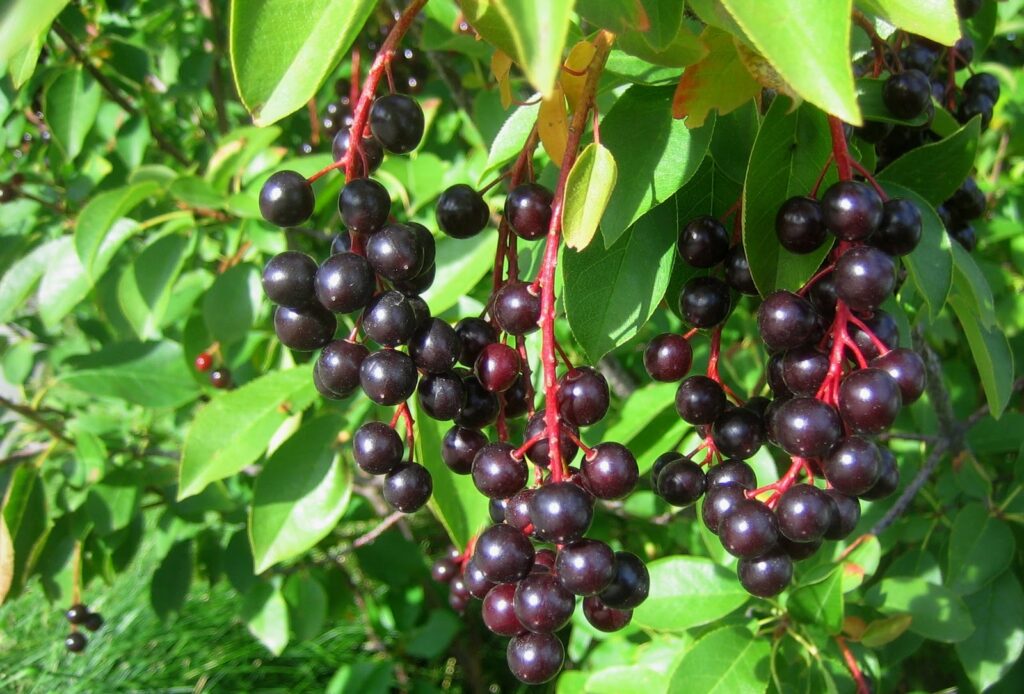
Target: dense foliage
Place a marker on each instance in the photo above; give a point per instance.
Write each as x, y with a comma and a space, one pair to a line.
274, 405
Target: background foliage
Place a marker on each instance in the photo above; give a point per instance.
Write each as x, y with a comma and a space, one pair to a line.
137, 243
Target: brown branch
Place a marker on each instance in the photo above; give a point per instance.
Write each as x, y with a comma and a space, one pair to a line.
36, 417
116, 94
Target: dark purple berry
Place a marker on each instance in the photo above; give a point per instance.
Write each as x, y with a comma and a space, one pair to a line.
767, 575
668, 357
900, 230
288, 279
542, 604
732, 472
705, 302
749, 529
583, 396
869, 400
585, 567
800, 225
681, 482
395, 252
517, 308
496, 473
338, 366
538, 452
610, 472
435, 347
804, 513
388, 377
497, 611
853, 465
700, 400
390, 319
535, 658
852, 210
806, 427
888, 480
497, 367
75, 642
396, 121
528, 210
703, 242
561, 512
906, 94
377, 448
865, 277
630, 584
503, 554
907, 368
441, 396
737, 272
845, 517
305, 329
474, 334
804, 369
738, 433
786, 320
407, 487
461, 212
364, 205
481, 406
719, 502
286, 199
345, 283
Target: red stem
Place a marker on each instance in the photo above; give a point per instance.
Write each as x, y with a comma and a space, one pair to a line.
853, 667
821, 176
814, 279
870, 179
546, 277
839, 149
361, 112
353, 87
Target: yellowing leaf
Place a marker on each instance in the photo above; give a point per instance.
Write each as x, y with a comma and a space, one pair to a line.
6, 560
719, 82
553, 125
572, 83
587, 191
501, 66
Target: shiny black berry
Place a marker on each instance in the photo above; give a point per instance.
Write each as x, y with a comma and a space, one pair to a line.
528, 210
800, 225
496, 473
767, 575
610, 471
345, 283
377, 448
286, 199
517, 308
852, 210
681, 482
461, 212
535, 658
561, 512
705, 302
388, 377
396, 252
459, 446
700, 400
703, 242
630, 584
396, 121
390, 319
365, 205
407, 487
668, 357
288, 279
786, 320
304, 329
583, 396
338, 366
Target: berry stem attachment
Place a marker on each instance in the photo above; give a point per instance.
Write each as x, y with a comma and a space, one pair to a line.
870, 179
840, 150
546, 278
821, 176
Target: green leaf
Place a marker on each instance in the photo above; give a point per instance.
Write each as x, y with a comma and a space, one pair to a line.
307, 602
510, 139
234, 429
658, 164
171, 580
992, 355
280, 56
933, 19
21, 278
786, 32
861, 563
22, 21
869, 96
587, 191
820, 603
533, 34
300, 495
729, 660
687, 592
930, 264
23, 65
613, 292
144, 290
994, 647
626, 679
435, 636
938, 613
94, 237
615, 16
719, 82
665, 19
789, 153
936, 170
265, 612
455, 501
71, 102
460, 265
970, 283
230, 305
980, 548
25, 514
151, 374
685, 48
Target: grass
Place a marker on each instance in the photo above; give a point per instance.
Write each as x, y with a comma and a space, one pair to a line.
204, 649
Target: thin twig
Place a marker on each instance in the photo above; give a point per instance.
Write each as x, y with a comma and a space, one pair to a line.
116, 94
37, 418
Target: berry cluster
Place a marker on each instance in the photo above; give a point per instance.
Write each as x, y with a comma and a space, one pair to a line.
963, 207
530, 593
78, 615
921, 71
836, 376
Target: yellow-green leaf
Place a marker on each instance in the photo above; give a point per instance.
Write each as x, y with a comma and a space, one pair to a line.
587, 191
